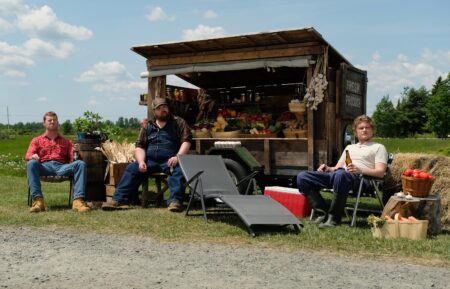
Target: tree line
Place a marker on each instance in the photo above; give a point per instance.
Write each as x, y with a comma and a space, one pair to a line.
418, 111
67, 127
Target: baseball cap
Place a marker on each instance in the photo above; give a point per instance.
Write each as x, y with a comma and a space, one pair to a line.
158, 102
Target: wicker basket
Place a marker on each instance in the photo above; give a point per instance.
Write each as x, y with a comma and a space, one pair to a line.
295, 133
201, 134
297, 107
417, 187
226, 134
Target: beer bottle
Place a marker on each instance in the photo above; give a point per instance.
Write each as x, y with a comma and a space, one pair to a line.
348, 160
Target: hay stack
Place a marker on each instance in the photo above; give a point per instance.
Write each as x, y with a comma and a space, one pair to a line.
118, 152
437, 165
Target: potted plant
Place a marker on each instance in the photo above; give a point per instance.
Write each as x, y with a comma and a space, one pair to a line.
90, 126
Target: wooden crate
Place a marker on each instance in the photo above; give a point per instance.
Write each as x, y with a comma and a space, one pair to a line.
110, 189
115, 172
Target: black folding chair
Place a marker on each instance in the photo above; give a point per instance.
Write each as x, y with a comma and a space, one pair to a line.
374, 191
208, 178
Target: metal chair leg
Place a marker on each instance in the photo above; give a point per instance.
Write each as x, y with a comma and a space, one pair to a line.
355, 209
70, 191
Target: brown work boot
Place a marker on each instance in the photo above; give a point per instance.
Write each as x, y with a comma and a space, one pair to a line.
38, 205
79, 205
175, 206
114, 205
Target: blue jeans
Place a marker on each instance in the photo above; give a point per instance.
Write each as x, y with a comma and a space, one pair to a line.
77, 169
310, 183
132, 178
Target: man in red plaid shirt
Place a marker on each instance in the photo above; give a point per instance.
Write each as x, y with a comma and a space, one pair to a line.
50, 154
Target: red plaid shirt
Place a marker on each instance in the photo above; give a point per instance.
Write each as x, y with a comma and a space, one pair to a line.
59, 149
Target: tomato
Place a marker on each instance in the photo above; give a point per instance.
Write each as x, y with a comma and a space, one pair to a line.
416, 175
423, 175
416, 171
408, 172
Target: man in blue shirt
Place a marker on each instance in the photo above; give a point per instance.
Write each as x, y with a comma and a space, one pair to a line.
157, 147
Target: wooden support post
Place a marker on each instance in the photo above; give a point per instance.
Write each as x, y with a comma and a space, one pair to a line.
330, 115
156, 88
267, 156
310, 117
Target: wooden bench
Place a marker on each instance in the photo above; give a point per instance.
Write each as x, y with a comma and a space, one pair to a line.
156, 197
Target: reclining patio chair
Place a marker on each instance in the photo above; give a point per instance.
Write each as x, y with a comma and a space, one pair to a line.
208, 178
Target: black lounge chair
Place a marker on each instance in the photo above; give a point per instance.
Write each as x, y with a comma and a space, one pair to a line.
208, 178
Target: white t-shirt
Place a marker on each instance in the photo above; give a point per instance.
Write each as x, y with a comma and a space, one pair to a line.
366, 155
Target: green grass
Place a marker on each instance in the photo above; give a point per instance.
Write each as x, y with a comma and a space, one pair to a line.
416, 145
160, 224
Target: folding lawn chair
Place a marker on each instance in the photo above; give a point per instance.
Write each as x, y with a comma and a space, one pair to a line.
208, 178
54, 179
373, 192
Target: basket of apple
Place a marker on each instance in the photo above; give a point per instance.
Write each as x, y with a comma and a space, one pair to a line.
417, 182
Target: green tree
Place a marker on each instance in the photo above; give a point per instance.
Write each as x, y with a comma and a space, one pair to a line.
385, 118
67, 127
438, 108
412, 116
436, 85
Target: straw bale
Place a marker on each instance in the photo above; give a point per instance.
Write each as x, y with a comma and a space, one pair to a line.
437, 165
118, 152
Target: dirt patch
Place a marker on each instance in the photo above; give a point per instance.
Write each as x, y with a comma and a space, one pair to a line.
33, 258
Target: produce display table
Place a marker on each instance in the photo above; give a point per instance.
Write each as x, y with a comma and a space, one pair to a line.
428, 208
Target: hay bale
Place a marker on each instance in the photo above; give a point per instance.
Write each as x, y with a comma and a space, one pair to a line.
118, 152
437, 165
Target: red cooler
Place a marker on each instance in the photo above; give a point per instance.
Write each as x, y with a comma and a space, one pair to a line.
291, 199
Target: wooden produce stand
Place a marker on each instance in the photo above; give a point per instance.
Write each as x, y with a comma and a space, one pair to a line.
265, 71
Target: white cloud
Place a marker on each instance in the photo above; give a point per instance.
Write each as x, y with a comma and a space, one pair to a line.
5, 48
120, 86
103, 71
11, 6
203, 32
110, 77
209, 14
402, 58
14, 61
376, 56
158, 14
5, 26
43, 22
42, 99
93, 101
15, 74
438, 56
36, 24
390, 76
39, 47
16, 58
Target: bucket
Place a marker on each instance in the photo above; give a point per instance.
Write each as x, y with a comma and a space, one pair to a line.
96, 168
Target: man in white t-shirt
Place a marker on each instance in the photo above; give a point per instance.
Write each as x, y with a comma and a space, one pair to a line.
368, 158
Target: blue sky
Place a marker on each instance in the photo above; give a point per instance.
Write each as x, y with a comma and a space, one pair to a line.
73, 56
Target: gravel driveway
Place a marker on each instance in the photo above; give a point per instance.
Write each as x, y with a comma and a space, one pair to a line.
34, 258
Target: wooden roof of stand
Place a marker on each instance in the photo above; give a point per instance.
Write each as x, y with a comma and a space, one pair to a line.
304, 37
266, 45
